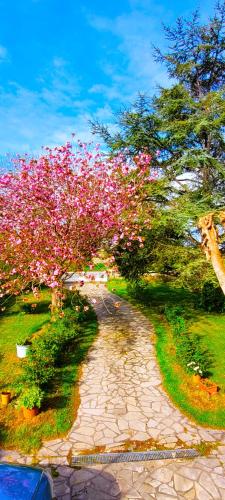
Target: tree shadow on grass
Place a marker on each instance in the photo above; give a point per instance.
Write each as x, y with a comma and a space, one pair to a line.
160, 295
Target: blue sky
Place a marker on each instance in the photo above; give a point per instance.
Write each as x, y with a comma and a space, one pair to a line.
64, 62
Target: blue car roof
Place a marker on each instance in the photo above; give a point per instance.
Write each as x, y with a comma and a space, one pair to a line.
18, 482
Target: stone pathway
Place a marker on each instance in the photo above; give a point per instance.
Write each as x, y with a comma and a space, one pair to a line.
201, 479
122, 400
121, 393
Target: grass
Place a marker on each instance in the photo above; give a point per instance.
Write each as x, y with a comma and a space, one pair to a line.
12, 325
62, 398
204, 409
211, 329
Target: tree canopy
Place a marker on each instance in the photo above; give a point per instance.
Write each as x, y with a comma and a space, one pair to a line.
60, 208
182, 127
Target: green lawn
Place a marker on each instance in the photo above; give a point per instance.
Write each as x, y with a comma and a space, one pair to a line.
62, 397
13, 324
211, 327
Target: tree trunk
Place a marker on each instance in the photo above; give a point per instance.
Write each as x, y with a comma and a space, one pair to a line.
210, 246
56, 300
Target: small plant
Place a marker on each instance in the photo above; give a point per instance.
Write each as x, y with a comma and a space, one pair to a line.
23, 339
191, 354
194, 368
31, 397
173, 313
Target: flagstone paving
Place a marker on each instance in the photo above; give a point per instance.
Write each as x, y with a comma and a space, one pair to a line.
200, 479
122, 399
121, 393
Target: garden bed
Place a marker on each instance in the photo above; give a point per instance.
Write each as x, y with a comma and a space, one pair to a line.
196, 403
61, 398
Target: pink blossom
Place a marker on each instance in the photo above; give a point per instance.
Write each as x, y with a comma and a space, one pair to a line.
58, 210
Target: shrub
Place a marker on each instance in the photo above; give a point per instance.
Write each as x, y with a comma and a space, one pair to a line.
48, 348
212, 298
139, 290
35, 307
172, 313
189, 349
38, 370
31, 397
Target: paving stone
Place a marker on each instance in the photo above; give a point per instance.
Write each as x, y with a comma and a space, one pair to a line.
219, 480
163, 475
189, 495
161, 496
207, 483
190, 472
182, 483
64, 471
201, 493
164, 488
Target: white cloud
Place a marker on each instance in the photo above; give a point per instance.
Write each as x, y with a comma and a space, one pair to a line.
3, 53
59, 62
134, 33
47, 116
111, 93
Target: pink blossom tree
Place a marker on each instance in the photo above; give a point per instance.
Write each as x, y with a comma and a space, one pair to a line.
59, 209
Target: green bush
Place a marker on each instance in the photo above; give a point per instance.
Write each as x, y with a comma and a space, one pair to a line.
31, 397
212, 298
47, 349
38, 370
172, 313
189, 349
35, 307
140, 291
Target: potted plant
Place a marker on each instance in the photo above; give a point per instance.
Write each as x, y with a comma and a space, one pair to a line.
23, 342
196, 371
208, 386
30, 401
5, 398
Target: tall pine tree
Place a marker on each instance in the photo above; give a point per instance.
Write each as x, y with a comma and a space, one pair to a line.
186, 123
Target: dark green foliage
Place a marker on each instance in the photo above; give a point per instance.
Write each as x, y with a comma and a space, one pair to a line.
35, 307
48, 349
31, 397
172, 313
212, 298
185, 123
196, 52
189, 349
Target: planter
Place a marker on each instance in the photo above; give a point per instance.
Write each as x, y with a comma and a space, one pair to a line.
21, 350
30, 412
5, 398
208, 386
196, 379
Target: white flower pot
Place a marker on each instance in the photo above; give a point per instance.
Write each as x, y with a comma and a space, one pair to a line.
21, 350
